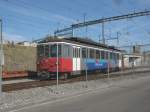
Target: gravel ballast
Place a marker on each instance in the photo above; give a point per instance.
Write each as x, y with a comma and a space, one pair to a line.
21, 98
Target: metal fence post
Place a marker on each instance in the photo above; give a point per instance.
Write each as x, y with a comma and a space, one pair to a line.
1, 61
57, 65
86, 67
108, 70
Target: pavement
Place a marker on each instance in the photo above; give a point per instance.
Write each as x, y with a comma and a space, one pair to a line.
132, 95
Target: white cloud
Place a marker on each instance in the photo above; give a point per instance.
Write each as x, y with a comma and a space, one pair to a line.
13, 37
36, 13
63, 18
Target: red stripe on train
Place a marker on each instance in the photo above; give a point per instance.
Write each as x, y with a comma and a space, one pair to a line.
49, 64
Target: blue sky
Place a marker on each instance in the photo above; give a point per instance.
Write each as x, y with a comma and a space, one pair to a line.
33, 19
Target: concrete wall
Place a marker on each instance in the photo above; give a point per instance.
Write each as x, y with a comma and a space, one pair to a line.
19, 58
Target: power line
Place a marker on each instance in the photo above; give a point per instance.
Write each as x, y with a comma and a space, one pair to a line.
114, 18
141, 45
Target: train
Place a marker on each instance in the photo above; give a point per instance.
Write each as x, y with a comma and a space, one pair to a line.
74, 56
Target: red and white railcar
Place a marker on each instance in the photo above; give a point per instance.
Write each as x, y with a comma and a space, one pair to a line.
73, 57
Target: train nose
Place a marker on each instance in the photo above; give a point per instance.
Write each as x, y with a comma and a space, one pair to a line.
43, 64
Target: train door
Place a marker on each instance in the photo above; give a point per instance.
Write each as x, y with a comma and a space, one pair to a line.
76, 60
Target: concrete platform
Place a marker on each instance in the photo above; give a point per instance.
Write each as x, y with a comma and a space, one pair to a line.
16, 81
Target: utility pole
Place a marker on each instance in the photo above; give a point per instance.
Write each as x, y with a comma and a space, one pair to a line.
72, 33
84, 17
1, 60
103, 33
86, 77
118, 33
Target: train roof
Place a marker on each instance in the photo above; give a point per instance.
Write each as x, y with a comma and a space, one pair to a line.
80, 41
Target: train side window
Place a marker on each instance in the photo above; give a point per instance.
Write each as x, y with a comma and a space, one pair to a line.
83, 52
92, 54
111, 57
78, 49
67, 51
75, 52
120, 56
87, 52
97, 54
114, 57
63, 50
106, 55
79, 52
102, 55
72, 52
59, 50
117, 56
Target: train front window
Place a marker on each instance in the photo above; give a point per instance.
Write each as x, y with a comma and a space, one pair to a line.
53, 50
40, 51
46, 51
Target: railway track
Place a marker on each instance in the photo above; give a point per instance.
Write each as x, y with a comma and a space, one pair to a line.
42, 83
